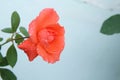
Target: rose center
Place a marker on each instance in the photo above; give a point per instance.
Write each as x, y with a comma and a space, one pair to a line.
46, 36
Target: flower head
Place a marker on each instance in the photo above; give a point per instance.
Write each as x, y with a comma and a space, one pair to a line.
46, 37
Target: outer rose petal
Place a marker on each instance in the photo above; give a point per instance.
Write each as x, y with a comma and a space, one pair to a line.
29, 48
46, 17
33, 31
50, 58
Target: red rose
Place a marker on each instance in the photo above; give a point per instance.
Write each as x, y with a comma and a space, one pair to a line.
46, 37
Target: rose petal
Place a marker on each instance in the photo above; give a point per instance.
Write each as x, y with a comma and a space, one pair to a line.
46, 17
50, 58
58, 29
29, 48
33, 31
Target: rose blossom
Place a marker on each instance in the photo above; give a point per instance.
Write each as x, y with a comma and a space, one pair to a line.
46, 37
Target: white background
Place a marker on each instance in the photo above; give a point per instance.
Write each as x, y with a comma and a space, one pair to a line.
88, 54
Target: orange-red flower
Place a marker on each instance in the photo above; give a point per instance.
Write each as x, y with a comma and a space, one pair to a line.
46, 37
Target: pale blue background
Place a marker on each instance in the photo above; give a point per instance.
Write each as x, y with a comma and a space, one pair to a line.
88, 54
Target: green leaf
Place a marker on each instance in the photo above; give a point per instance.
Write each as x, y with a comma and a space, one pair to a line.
1, 39
111, 25
18, 38
0, 47
12, 55
3, 61
6, 74
1, 57
7, 30
15, 21
24, 31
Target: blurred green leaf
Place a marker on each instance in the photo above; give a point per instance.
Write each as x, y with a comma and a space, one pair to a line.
24, 31
18, 38
111, 25
12, 55
6, 74
1, 57
0, 47
1, 39
15, 21
3, 61
7, 30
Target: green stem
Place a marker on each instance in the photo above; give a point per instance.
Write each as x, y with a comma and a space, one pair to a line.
12, 39
19, 38
4, 43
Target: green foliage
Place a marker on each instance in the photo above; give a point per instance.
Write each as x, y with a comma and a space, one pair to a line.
1, 39
3, 61
111, 25
12, 55
18, 38
0, 47
24, 31
7, 30
6, 74
15, 21
1, 57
